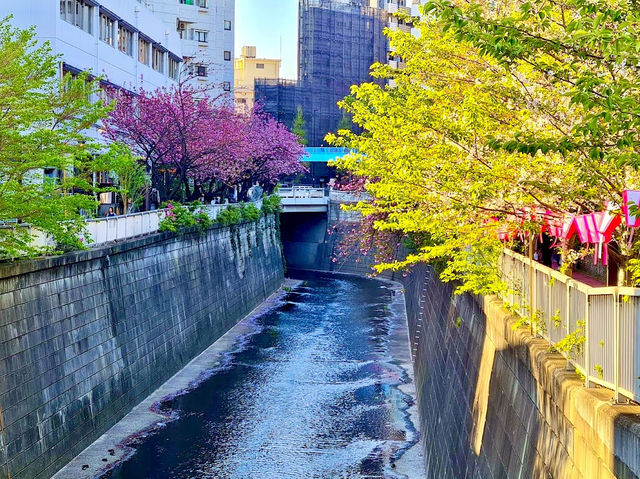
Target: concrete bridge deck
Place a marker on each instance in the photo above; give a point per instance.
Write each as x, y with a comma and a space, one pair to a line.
304, 199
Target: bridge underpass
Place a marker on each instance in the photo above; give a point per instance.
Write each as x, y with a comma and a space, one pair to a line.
313, 226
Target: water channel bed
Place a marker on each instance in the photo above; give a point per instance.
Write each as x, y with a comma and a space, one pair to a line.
313, 393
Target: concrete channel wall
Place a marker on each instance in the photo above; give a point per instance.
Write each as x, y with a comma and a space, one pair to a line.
316, 241
85, 336
497, 403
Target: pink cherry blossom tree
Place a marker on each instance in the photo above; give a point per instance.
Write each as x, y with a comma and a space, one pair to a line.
193, 144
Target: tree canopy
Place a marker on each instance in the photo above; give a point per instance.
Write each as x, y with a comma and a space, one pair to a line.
503, 107
299, 127
191, 144
42, 128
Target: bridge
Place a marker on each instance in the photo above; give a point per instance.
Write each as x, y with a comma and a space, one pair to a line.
304, 199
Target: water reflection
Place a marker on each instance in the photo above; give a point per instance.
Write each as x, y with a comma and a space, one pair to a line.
312, 395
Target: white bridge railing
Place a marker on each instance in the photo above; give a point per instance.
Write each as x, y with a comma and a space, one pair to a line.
609, 318
302, 192
297, 199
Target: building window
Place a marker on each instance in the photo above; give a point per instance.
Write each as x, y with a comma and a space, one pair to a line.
227, 56
78, 13
201, 70
226, 86
143, 50
125, 40
202, 3
260, 66
174, 68
202, 36
227, 24
106, 29
158, 59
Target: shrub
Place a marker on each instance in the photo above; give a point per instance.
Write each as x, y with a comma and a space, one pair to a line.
271, 204
230, 216
180, 217
250, 212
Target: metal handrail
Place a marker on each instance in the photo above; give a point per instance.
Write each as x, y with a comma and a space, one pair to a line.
611, 316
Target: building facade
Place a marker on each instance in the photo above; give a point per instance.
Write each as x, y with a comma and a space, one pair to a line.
121, 40
206, 30
338, 41
247, 69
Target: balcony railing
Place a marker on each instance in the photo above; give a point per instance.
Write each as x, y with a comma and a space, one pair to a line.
609, 318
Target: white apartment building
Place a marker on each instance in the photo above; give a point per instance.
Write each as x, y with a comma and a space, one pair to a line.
121, 40
206, 29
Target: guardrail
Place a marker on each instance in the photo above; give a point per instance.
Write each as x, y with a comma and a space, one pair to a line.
117, 228
608, 316
302, 192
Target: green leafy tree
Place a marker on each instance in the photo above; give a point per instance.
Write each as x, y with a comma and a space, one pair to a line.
299, 127
431, 162
578, 60
42, 129
345, 122
132, 181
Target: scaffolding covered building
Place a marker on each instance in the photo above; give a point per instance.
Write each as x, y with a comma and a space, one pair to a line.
338, 41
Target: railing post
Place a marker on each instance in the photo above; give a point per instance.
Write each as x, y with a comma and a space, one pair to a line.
567, 317
616, 346
547, 320
587, 358
567, 321
532, 290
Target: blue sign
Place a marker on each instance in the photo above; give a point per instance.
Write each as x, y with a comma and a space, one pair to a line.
323, 155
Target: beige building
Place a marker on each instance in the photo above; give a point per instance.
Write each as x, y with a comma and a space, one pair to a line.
247, 69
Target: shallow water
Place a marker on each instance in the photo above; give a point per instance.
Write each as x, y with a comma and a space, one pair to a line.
312, 394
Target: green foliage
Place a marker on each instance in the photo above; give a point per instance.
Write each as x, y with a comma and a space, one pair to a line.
556, 320
179, 217
502, 106
251, 212
129, 173
633, 267
573, 344
234, 214
457, 322
42, 125
526, 320
345, 122
231, 215
299, 127
271, 204
598, 368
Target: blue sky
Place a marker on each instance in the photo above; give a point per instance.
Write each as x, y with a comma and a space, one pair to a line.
262, 23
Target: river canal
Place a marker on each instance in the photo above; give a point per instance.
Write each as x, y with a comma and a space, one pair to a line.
313, 393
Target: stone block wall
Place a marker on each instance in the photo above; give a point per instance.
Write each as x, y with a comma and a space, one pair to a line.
85, 336
497, 403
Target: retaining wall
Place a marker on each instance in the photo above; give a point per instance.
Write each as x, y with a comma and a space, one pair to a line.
497, 403
316, 241
84, 337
